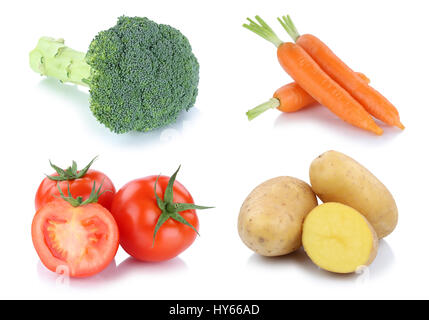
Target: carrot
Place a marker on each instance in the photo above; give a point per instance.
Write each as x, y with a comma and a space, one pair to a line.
307, 73
289, 98
372, 100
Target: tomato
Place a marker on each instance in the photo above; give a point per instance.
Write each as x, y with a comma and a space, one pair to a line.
80, 182
137, 212
83, 239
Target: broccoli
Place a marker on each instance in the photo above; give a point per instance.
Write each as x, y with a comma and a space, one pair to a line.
141, 74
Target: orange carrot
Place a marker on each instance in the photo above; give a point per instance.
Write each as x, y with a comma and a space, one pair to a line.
289, 98
372, 100
307, 73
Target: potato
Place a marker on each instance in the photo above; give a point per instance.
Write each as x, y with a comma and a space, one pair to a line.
336, 177
271, 217
339, 239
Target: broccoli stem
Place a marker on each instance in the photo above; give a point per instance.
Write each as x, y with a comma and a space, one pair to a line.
52, 58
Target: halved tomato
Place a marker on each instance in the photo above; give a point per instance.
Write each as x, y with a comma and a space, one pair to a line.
83, 239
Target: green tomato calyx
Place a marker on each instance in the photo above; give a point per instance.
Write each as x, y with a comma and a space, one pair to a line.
78, 201
71, 173
170, 209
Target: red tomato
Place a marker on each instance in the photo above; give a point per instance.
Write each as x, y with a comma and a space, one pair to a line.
82, 239
136, 212
48, 189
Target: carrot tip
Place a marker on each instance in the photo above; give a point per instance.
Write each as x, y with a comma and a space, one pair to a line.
400, 126
378, 131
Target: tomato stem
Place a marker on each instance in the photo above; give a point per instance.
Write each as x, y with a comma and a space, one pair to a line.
71, 173
78, 201
169, 209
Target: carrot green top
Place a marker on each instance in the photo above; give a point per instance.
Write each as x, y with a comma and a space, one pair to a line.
263, 30
290, 28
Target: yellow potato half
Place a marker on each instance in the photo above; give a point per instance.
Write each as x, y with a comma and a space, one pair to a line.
338, 238
271, 217
336, 177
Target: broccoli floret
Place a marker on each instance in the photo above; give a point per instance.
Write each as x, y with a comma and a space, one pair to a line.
141, 74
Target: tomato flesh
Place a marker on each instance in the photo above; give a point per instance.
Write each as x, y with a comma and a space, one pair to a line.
85, 239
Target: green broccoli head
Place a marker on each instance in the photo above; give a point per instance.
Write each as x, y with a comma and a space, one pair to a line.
143, 75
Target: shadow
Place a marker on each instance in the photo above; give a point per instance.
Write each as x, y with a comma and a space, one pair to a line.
295, 258
320, 115
69, 92
384, 260
299, 259
161, 135
45, 274
78, 97
131, 266
58, 280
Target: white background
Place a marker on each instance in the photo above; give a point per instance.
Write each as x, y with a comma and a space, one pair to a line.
223, 156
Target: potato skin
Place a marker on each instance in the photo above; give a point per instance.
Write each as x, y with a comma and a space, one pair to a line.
336, 177
271, 217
